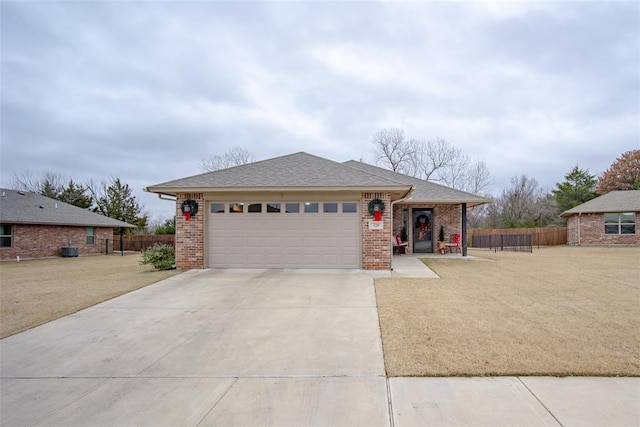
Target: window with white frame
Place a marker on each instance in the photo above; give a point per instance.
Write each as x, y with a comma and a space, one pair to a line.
620, 223
91, 236
6, 235
236, 207
217, 207
350, 207
273, 207
330, 207
310, 207
255, 208
292, 208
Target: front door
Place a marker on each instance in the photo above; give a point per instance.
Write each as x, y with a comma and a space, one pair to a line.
423, 230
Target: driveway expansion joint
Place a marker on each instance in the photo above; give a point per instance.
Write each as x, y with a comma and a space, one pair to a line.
540, 401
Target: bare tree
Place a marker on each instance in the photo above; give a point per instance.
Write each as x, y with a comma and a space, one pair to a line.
431, 160
477, 181
455, 173
477, 178
233, 157
439, 161
428, 157
391, 149
49, 184
523, 204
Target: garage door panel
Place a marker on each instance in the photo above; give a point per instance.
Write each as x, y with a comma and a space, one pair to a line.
278, 240
256, 242
255, 259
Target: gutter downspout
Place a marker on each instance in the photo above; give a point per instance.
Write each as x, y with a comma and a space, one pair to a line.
579, 227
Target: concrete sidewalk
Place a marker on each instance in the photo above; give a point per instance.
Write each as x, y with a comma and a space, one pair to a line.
263, 347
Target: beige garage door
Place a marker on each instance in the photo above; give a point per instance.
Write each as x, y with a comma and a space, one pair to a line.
284, 235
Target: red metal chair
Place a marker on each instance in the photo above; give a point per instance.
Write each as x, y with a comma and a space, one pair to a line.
399, 246
454, 243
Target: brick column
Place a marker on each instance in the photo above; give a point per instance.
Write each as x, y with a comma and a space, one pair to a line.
376, 244
450, 217
190, 234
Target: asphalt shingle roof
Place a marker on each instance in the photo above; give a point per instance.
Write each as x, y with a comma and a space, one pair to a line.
295, 170
614, 201
302, 170
423, 191
18, 207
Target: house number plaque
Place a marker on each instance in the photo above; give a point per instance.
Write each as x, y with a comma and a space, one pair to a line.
376, 225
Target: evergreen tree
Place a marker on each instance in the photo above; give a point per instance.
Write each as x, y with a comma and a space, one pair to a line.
167, 227
76, 194
116, 201
577, 188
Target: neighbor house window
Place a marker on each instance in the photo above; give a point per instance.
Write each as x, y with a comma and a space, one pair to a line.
217, 207
310, 208
620, 223
91, 236
6, 236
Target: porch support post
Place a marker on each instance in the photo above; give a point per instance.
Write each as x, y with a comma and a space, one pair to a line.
464, 229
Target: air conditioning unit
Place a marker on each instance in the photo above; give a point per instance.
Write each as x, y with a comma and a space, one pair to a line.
69, 251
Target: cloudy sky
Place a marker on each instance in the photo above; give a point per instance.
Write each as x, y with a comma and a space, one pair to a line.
144, 90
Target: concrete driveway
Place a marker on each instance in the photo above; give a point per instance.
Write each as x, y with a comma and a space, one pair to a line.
268, 348
207, 348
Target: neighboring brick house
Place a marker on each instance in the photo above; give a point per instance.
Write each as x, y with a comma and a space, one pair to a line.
35, 226
611, 219
304, 211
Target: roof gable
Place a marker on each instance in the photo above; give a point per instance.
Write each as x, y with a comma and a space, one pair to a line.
299, 170
614, 201
18, 207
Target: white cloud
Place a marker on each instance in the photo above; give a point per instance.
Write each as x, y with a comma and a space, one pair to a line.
144, 91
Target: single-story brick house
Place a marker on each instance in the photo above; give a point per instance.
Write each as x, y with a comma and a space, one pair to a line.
611, 219
35, 226
304, 211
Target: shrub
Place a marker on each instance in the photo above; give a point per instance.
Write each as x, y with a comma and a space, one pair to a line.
161, 256
404, 236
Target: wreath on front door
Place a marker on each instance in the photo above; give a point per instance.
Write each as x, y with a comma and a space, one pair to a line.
422, 222
189, 208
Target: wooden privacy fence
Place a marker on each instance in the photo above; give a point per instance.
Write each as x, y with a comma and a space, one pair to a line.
541, 236
132, 242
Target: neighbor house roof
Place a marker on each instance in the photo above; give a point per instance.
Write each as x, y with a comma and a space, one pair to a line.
19, 207
299, 171
423, 191
614, 201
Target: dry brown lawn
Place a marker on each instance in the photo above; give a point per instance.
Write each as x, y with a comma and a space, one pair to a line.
37, 291
559, 311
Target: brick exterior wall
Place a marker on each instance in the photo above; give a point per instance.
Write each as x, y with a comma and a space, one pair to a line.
190, 234
592, 231
376, 244
449, 216
41, 241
